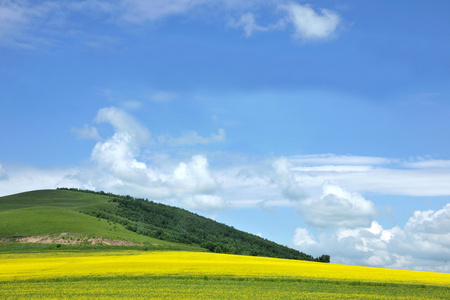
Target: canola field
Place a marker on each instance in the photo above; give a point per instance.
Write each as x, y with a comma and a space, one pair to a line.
196, 275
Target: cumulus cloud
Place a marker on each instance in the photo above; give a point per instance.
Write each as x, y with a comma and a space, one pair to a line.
193, 138
193, 177
423, 244
337, 208
303, 238
124, 123
118, 153
120, 166
310, 25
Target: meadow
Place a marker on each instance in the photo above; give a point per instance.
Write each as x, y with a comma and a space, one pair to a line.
196, 275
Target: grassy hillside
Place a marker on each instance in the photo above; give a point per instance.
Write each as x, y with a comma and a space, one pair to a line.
56, 198
52, 212
109, 216
71, 228
45, 220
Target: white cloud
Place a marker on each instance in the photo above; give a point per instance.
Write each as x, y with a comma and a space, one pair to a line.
310, 25
286, 181
334, 168
303, 238
193, 138
3, 173
373, 174
424, 182
138, 11
332, 159
337, 208
423, 244
124, 123
119, 166
94, 5
193, 177
163, 96
117, 154
428, 164
248, 24
103, 43
132, 104
26, 23
205, 202
26, 178
87, 132
19, 20
13, 15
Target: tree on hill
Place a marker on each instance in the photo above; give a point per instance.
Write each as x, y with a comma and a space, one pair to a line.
178, 225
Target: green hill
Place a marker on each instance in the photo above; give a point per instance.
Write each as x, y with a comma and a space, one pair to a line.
83, 215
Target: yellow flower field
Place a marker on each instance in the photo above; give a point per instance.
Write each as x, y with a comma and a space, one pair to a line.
185, 274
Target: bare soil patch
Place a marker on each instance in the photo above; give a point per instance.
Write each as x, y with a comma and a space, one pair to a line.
67, 239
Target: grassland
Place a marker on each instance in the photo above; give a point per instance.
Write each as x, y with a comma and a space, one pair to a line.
53, 220
59, 198
190, 275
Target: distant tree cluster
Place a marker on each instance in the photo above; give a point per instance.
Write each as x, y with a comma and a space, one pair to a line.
87, 191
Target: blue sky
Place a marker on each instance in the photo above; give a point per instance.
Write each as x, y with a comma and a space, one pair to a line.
321, 125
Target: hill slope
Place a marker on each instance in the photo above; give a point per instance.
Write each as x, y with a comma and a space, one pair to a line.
106, 215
